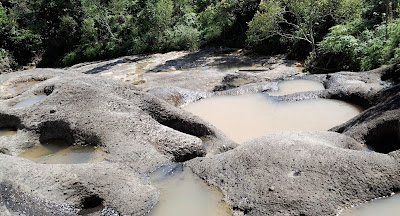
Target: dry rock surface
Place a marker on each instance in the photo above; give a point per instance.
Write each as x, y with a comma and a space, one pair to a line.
299, 174
129, 109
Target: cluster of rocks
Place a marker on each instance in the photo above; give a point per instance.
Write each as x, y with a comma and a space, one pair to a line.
142, 127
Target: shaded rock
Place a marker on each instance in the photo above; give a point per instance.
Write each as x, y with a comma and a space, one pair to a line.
378, 126
314, 173
391, 73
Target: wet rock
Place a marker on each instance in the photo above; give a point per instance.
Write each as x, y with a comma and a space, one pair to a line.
332, 174
138, 131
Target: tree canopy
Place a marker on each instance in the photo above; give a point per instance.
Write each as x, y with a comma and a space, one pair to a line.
330, 34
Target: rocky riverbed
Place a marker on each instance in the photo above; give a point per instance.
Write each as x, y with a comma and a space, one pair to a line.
129, 109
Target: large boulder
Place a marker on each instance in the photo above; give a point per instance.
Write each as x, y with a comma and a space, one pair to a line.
379, 126
315, 173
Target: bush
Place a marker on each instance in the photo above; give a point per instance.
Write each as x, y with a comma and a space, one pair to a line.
366, 50
7, 62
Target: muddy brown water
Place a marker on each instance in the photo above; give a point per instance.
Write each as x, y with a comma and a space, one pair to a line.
29, 101
183, 193
295, 86
253, 115
7, 132
234, 67
140, 67
389, 206
21, 86
60, 152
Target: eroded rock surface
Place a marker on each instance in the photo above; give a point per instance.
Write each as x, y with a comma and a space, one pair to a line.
377, 127
315, 173
138, 125
39, 189
182, 77
138, 131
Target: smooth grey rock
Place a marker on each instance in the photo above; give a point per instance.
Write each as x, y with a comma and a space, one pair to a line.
59, 189
316, 173
138, 131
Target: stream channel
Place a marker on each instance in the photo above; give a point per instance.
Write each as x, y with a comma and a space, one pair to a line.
242, 118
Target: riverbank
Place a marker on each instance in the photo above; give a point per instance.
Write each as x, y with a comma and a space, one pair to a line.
129, 108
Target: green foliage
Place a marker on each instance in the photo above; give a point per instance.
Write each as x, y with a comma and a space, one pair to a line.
110, 29
182, 37
366, 50
6, 61
226, 21
65, 32
216, 19
358, 34
18, 45
265, 22
294, 20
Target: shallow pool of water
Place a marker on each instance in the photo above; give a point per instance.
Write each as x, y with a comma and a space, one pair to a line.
30, 101
182, 193
60, 152
7, 132
21, 86
385, 206
140, 67
234, 67
253, 115
295, 86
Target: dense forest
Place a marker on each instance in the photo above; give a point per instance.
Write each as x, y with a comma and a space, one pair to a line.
330, 35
